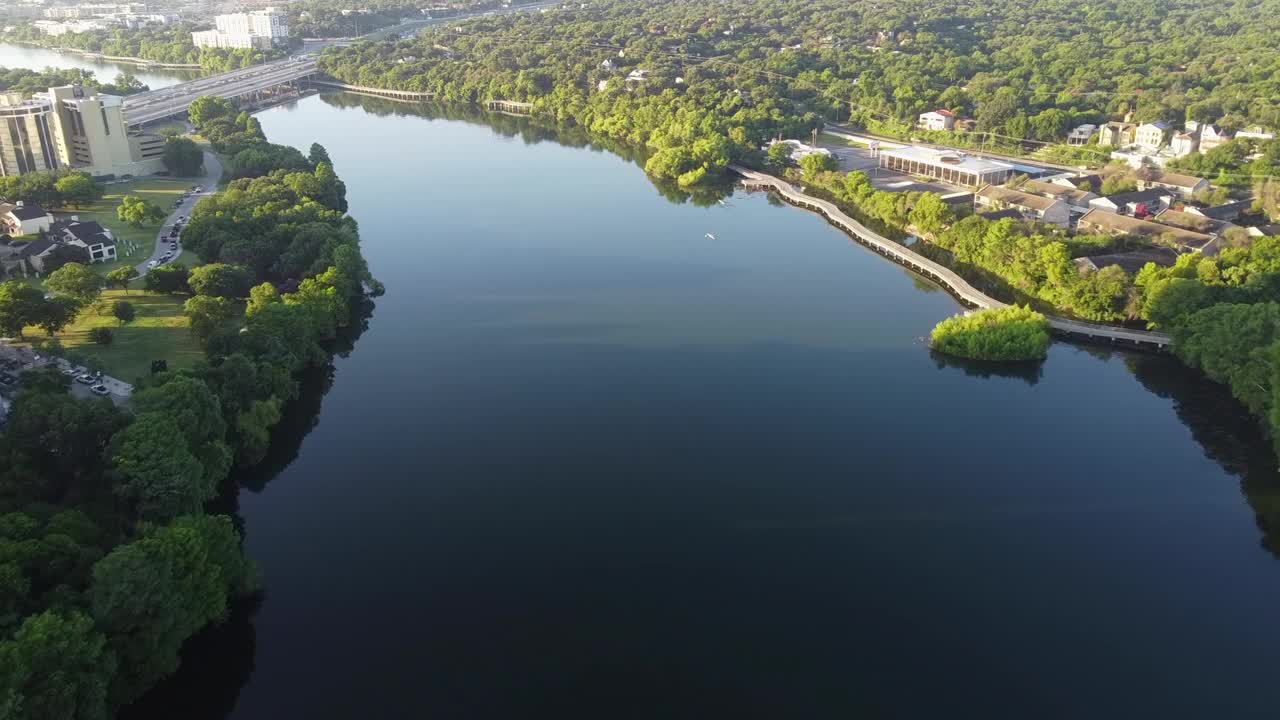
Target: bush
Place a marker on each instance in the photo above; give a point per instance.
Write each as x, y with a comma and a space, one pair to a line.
1008, 334
102, 335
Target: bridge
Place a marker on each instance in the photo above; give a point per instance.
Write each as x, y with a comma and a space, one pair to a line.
939, 273
167, 102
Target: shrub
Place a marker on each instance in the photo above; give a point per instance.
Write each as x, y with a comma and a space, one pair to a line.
1005, 334
102, 335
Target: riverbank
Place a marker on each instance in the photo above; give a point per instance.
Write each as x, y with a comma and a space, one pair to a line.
948, 278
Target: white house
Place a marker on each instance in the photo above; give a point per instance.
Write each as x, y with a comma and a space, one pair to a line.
91, 236
1081, 133
1211, 136
1184, 143
937, 120
23, 219
1152, 136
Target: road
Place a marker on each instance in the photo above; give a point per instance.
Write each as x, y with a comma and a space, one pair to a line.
212, 173
166, 102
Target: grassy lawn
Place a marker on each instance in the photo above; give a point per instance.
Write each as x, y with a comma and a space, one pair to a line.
159, 332
142, 240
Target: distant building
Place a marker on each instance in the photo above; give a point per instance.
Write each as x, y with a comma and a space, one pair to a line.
1117, 134
258, 29
1184, 185
950, 166
1184, 143
1112, 224
1031, 207
1131, 262
1256, 133
1194, 222
1153, 135
1069, 194
1230, 212
1212, 136
937, 120
1081, 134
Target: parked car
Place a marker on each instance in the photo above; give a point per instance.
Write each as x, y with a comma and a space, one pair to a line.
173, 246
99, 390
152, 263
87, 379
69, 372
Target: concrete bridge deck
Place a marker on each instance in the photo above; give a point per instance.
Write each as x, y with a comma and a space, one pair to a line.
948, 278
174, 100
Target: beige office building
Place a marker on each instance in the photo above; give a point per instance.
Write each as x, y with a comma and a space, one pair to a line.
73, 127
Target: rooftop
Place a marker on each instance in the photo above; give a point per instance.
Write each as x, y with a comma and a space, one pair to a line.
948, 158
1137, 196
1104, 220
1176, 180
1016, 197
1193, 222
1130, 262
1061, 192
25, 212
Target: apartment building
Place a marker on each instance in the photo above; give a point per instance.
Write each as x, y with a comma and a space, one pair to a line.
259, 29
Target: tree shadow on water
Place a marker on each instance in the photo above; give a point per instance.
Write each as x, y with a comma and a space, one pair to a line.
1229, 435
1028, 372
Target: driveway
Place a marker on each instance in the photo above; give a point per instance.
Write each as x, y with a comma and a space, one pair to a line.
212, 173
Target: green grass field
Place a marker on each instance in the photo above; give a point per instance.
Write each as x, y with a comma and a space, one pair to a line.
159, 332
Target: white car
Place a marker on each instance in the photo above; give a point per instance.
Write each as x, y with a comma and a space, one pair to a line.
152, 263
99, 390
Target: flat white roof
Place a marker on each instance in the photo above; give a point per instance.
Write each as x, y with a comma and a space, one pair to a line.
948, 159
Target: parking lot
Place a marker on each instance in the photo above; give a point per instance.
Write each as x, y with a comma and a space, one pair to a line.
850, 158
15, 360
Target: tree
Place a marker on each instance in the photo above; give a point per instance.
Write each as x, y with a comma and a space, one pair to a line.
57, 313
152, 594
75, 281
815, 163
102, 335
205, 109
171, 278
261, 296
779, 154
121, 277
207, 314
318, 154
124, 311
220, 280
138, 212
78, 189
20, 305
157, 473
61, 667
183, 157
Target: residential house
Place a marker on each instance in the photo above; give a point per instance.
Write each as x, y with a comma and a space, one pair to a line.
1101, 221
90, 235
1032, 207
637, 75
1139, 202
937, 120
1117, 134
1211, 136
22, 219
1080, 134
1152, 136
1184, 143
1193, 222
1229, 212
1071, 195
1131, 262
35, 253
1183, 185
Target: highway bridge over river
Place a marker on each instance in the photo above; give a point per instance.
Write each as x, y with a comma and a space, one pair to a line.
945, 276
171, 101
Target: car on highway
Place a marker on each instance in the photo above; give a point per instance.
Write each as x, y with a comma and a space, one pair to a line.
99, 390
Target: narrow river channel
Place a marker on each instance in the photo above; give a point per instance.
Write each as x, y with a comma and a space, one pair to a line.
588, 461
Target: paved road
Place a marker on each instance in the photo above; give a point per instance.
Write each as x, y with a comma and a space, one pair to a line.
212, 172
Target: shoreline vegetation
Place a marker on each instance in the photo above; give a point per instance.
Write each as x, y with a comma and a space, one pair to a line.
1007, 335
702, 93
96, 55
110, 558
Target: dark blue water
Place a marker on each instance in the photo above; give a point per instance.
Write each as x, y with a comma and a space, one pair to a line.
587, 462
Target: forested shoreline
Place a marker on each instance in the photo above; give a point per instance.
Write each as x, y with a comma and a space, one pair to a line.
108, 558
163, 44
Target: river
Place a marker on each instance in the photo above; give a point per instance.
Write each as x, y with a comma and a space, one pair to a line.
34, 58
586, 461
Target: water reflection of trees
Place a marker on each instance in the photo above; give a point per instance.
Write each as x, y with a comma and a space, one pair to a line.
1229, 436
1028, 372
533, 130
